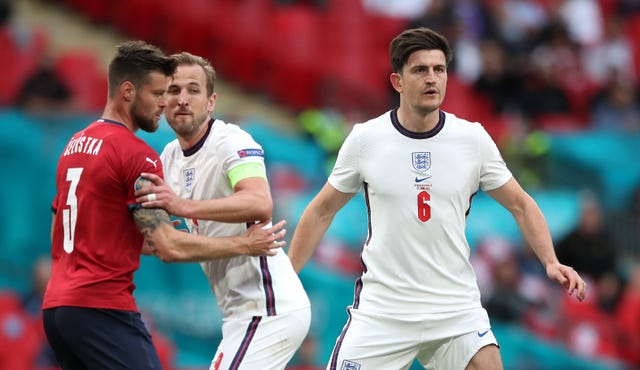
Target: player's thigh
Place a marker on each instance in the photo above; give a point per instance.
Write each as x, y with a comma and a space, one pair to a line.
267, 342
103, 339
64, 354
487, 358
475, 350
370, 341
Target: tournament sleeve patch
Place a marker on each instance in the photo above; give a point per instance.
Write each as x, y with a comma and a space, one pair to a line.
245, 171
244, 153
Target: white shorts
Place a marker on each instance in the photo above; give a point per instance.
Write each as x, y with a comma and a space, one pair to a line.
262, 342
372, 341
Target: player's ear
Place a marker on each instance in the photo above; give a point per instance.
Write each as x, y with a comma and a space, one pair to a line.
396, 81
128, 91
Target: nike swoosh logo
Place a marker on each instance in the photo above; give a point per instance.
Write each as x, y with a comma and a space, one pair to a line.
483, 333
422, 179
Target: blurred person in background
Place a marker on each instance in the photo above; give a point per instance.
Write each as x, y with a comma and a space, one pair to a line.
419, 168
616, 108
589, 247
98, 232
23, 344
216, 179
44, 91
628, 320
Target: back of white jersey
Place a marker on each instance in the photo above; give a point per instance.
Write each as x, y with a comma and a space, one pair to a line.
418, 188
244, 286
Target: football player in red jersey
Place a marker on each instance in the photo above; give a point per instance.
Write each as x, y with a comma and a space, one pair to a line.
89, 312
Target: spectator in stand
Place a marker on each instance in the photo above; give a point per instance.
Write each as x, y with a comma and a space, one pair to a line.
555, 66
583, 19
507, 304
44, 91
613, 52
520, 23
498, 79
628, 319
625, 226
22, 341
589, 246
32, 304
616, 107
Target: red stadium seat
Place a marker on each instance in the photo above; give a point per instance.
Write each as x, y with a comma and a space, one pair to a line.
291, 59
18, 61
633, 32
82, 73
239, 34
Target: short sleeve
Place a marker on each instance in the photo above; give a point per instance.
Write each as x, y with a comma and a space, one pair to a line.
346, 176
494, 172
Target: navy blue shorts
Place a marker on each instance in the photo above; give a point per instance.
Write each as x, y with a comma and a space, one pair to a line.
91, 338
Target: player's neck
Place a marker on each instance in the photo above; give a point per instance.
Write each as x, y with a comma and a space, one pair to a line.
119, 114
416, 121
189, 141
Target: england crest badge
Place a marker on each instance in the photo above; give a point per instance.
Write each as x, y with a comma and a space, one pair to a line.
421, 161
189, 177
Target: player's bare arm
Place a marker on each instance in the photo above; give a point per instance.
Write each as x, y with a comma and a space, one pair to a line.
535, 230
171, 245
314, 222
251, 200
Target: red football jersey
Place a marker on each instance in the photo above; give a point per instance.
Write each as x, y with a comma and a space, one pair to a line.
96, 242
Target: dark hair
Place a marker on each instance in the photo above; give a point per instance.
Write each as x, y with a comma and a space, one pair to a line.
412, 40
134, 61
188, 59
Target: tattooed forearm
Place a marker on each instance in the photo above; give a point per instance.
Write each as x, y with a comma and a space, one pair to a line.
149, 219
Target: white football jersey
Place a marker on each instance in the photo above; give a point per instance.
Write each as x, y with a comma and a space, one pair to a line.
244, 286
418, 188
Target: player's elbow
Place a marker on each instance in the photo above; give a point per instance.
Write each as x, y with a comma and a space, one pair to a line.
263, 211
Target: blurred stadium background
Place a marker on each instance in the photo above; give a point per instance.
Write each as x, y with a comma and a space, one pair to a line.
554, 82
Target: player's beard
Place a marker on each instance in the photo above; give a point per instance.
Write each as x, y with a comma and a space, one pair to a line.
146, 123
189, 129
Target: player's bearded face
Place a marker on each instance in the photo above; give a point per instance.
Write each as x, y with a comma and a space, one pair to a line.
144, 116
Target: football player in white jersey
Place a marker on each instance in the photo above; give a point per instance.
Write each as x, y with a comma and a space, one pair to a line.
215, 178
419, 168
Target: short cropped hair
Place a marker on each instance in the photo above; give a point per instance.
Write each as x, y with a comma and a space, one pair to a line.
188, 59
412, 40
134, 61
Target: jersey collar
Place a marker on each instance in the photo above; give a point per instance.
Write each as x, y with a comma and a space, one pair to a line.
191, 151
417, 135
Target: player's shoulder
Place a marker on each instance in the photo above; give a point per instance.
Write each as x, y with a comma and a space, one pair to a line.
452, 119
373, 125
229, 129
453, 122
226, 133
171, 147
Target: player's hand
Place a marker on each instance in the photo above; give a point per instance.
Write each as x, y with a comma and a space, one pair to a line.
158, 195
568, 278
264, 241
147, 249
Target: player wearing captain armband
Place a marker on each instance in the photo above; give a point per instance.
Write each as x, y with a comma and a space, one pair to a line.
216, 179
97, 230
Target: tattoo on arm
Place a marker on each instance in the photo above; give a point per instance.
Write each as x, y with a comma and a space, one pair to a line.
149, 219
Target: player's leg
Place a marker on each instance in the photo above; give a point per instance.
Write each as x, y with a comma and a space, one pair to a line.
64, 354
477, 350
488, 357
371, 341
266, 343
106, 339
